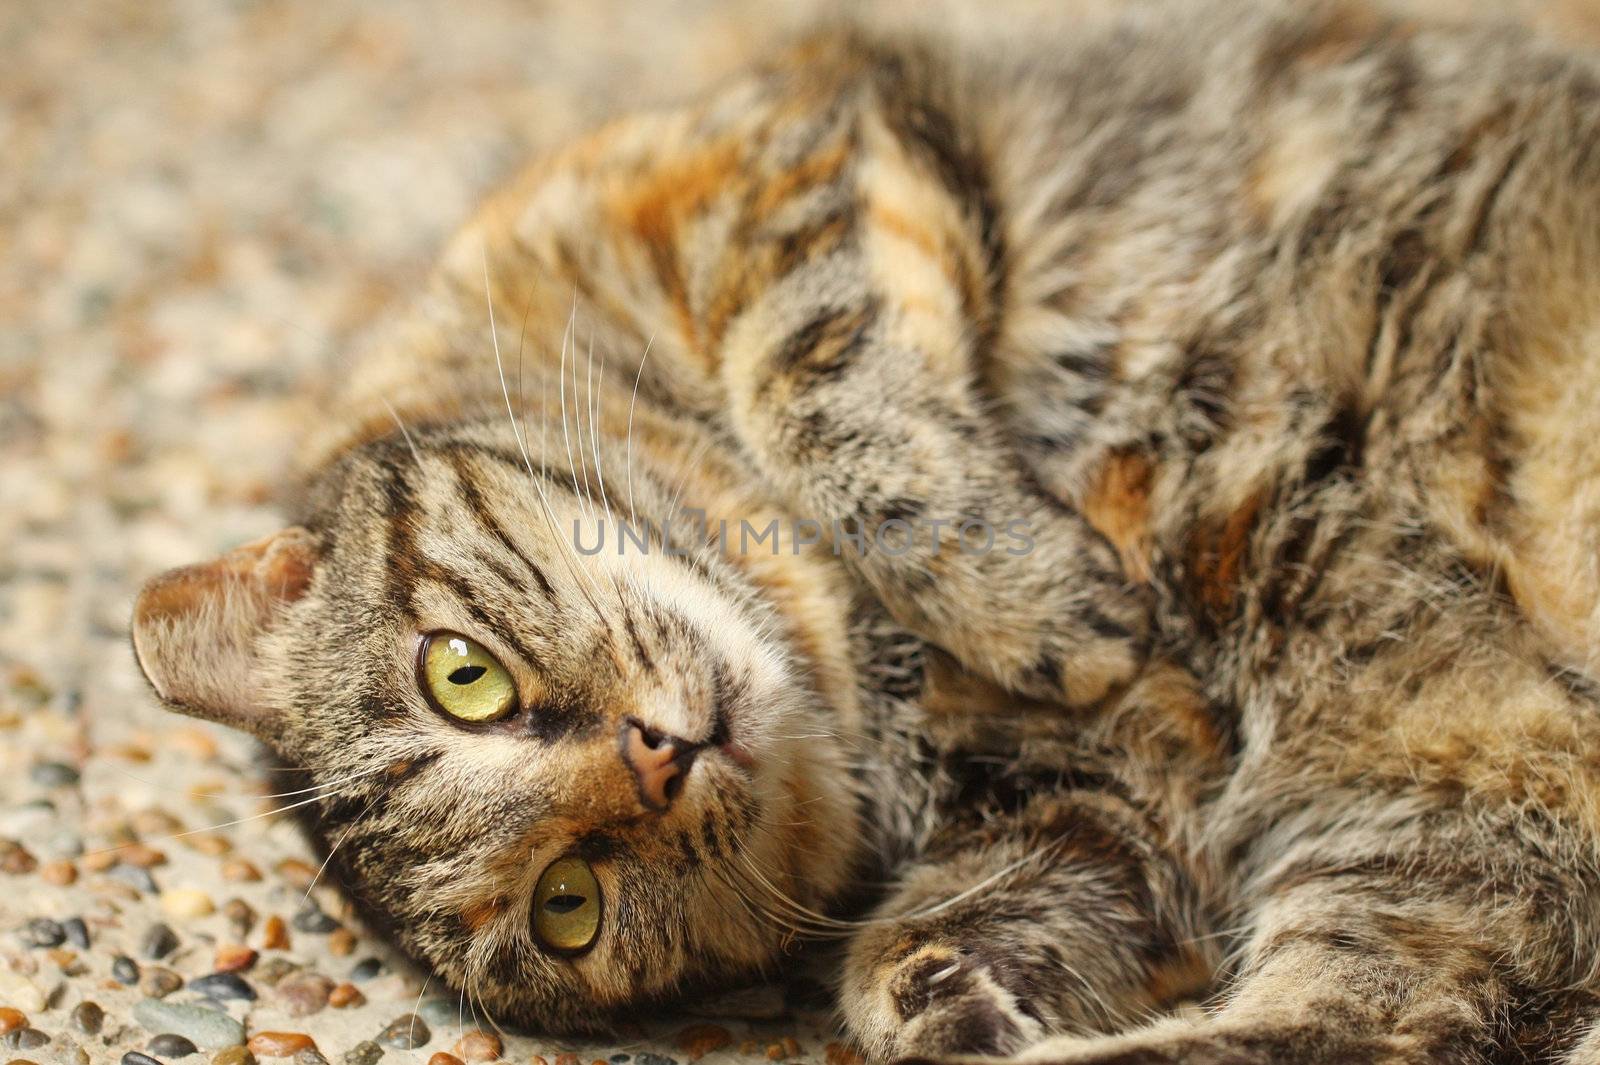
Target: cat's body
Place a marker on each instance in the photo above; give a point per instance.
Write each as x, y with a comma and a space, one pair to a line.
1298, 315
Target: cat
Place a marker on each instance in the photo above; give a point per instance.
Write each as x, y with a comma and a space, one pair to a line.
1169, 448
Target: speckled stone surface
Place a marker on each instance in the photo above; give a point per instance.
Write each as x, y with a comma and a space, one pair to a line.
202, 202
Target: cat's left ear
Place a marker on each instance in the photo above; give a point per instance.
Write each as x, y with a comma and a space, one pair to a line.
197, 630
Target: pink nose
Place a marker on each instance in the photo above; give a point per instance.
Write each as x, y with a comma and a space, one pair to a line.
659, 762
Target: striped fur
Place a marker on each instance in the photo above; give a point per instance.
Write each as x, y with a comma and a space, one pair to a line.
1278, 327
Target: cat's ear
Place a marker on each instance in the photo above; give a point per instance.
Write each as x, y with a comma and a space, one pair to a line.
197, 630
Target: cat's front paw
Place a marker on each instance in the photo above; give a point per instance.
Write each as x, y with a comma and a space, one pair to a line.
938, 1002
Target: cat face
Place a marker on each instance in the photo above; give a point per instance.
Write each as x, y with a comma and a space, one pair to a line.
569, 783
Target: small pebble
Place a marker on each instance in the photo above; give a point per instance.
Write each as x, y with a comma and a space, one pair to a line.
567, 1059
235, 958
280, 1044
15, 859
66, 960
155, 821
620, 1059
11, 1020
233, 1056
223, 985
341, 942
698, 1040
141, 856
43, 932
124, 969
444, 1012
365, 1052
77, 932
187, 903
201, 1025
346, 996
842, 1054
24, 1039
537, 1059
477, 1046
209, 843
100, 861
275, 969
88, 1017
656, 1059
275, 935
53, 775
169, 1045
365, 970
159, 981
775, 1052
159, 941
406, 1032
133, 1057
311, 919
18, 991
306, 993
241, 918
310, 1056
298, 873
136, 878
238, 871
441, 1058
59, 873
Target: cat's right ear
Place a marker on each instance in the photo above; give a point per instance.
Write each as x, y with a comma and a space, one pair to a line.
198, 630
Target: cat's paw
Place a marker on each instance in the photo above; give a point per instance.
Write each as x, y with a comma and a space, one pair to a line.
938, 1002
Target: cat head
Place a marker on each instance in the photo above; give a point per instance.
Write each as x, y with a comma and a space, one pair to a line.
568, 782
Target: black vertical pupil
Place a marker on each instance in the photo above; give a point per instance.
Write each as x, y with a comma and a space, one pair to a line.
466, 674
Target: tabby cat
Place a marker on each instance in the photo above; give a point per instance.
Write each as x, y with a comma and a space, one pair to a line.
1180, 437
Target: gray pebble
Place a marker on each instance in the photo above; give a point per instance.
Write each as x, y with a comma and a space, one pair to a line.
223, 986
139, 880
43, 932
133, 1057
365, 970
64, 845
88, 1017
204, 1027
310, 1056
655, 1059
159, 941
406, 1032
314, 920
124, 969
620, 1059
24, 1039
77, 932
27, 818
447, 1011
363, 1053
169, 1045
159, 982
273, 970
53, 775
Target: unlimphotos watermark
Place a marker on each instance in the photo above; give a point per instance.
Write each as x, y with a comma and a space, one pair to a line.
892, 536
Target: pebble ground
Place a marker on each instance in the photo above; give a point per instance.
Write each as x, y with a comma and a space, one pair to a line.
202, 203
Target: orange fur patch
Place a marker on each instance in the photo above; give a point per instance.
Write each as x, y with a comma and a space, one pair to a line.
1118, 506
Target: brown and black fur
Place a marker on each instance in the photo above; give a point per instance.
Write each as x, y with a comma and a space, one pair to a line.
1277, 326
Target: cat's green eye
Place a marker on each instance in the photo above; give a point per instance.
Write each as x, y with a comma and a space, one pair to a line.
566, 906
463, 679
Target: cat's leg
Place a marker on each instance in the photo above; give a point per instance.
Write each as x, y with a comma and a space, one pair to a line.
1447, 954
850, 379
1064, 917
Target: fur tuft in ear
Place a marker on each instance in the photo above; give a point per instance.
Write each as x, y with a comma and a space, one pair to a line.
197, 629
